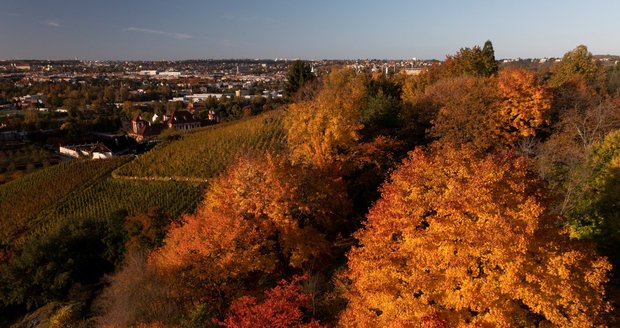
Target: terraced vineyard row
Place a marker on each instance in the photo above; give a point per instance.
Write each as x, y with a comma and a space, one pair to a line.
23, 199
205, 153
111, 195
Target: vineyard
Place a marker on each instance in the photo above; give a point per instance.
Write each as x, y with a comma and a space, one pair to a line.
79, 190
206, 152
23, 199
109, 196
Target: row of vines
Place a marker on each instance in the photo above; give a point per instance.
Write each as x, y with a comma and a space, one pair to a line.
205, 153
23, 199
110, 195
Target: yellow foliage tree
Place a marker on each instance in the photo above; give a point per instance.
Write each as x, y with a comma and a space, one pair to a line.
463, 240
319, 128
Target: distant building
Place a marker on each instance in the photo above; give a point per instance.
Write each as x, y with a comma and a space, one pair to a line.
142, 129
31, 100
169, 74
184, 120
413, 71
22, 66
201, 97
242, 93
148, 72
213, 117
91, 151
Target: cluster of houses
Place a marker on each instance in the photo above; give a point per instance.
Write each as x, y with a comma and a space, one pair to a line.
101, 145
142, 129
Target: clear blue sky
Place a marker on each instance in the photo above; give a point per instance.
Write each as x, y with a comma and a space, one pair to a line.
333, 29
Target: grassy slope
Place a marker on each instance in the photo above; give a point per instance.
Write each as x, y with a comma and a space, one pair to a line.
205, 153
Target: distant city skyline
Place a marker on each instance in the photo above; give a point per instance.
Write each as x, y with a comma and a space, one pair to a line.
347, 29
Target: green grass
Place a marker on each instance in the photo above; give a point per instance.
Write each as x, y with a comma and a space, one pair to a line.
206, 152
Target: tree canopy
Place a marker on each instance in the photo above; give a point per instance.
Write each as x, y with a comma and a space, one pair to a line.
320, 128
578, 62
489, 112
466, 239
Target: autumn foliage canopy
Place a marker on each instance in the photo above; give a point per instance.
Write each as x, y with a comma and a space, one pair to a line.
467, 239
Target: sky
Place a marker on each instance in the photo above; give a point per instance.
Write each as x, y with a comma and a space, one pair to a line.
316, 29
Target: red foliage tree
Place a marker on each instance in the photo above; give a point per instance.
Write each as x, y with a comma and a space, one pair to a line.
282, 306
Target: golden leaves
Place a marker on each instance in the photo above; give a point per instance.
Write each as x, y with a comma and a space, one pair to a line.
525, 104
489, 112
468, 238
317, 128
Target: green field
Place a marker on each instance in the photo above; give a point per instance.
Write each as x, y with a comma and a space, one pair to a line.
205, 153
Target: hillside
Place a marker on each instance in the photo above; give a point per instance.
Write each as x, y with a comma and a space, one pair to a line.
22, 200
110, 195
204, 153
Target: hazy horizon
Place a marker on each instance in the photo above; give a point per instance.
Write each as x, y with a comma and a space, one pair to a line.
343, 30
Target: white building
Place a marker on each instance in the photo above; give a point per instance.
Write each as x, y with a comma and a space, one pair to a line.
148, 72
91, 151
201, 97
169, 74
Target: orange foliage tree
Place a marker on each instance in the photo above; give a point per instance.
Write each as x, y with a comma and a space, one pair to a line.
489, 112
468, 112
262, 216
524, 103
460, 239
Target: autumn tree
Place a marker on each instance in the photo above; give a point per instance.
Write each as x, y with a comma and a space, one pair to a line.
418, 108
524, 106
147, 230
281, 306
578, 62
349, 127
261, 218
137, 294
594, 212
320, 129
468, 112
581, 117
460, 239
488, 112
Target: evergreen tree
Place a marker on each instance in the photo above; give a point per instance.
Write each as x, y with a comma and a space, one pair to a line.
298, 74
489, 58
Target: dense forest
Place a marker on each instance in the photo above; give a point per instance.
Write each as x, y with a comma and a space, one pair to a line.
473, 194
